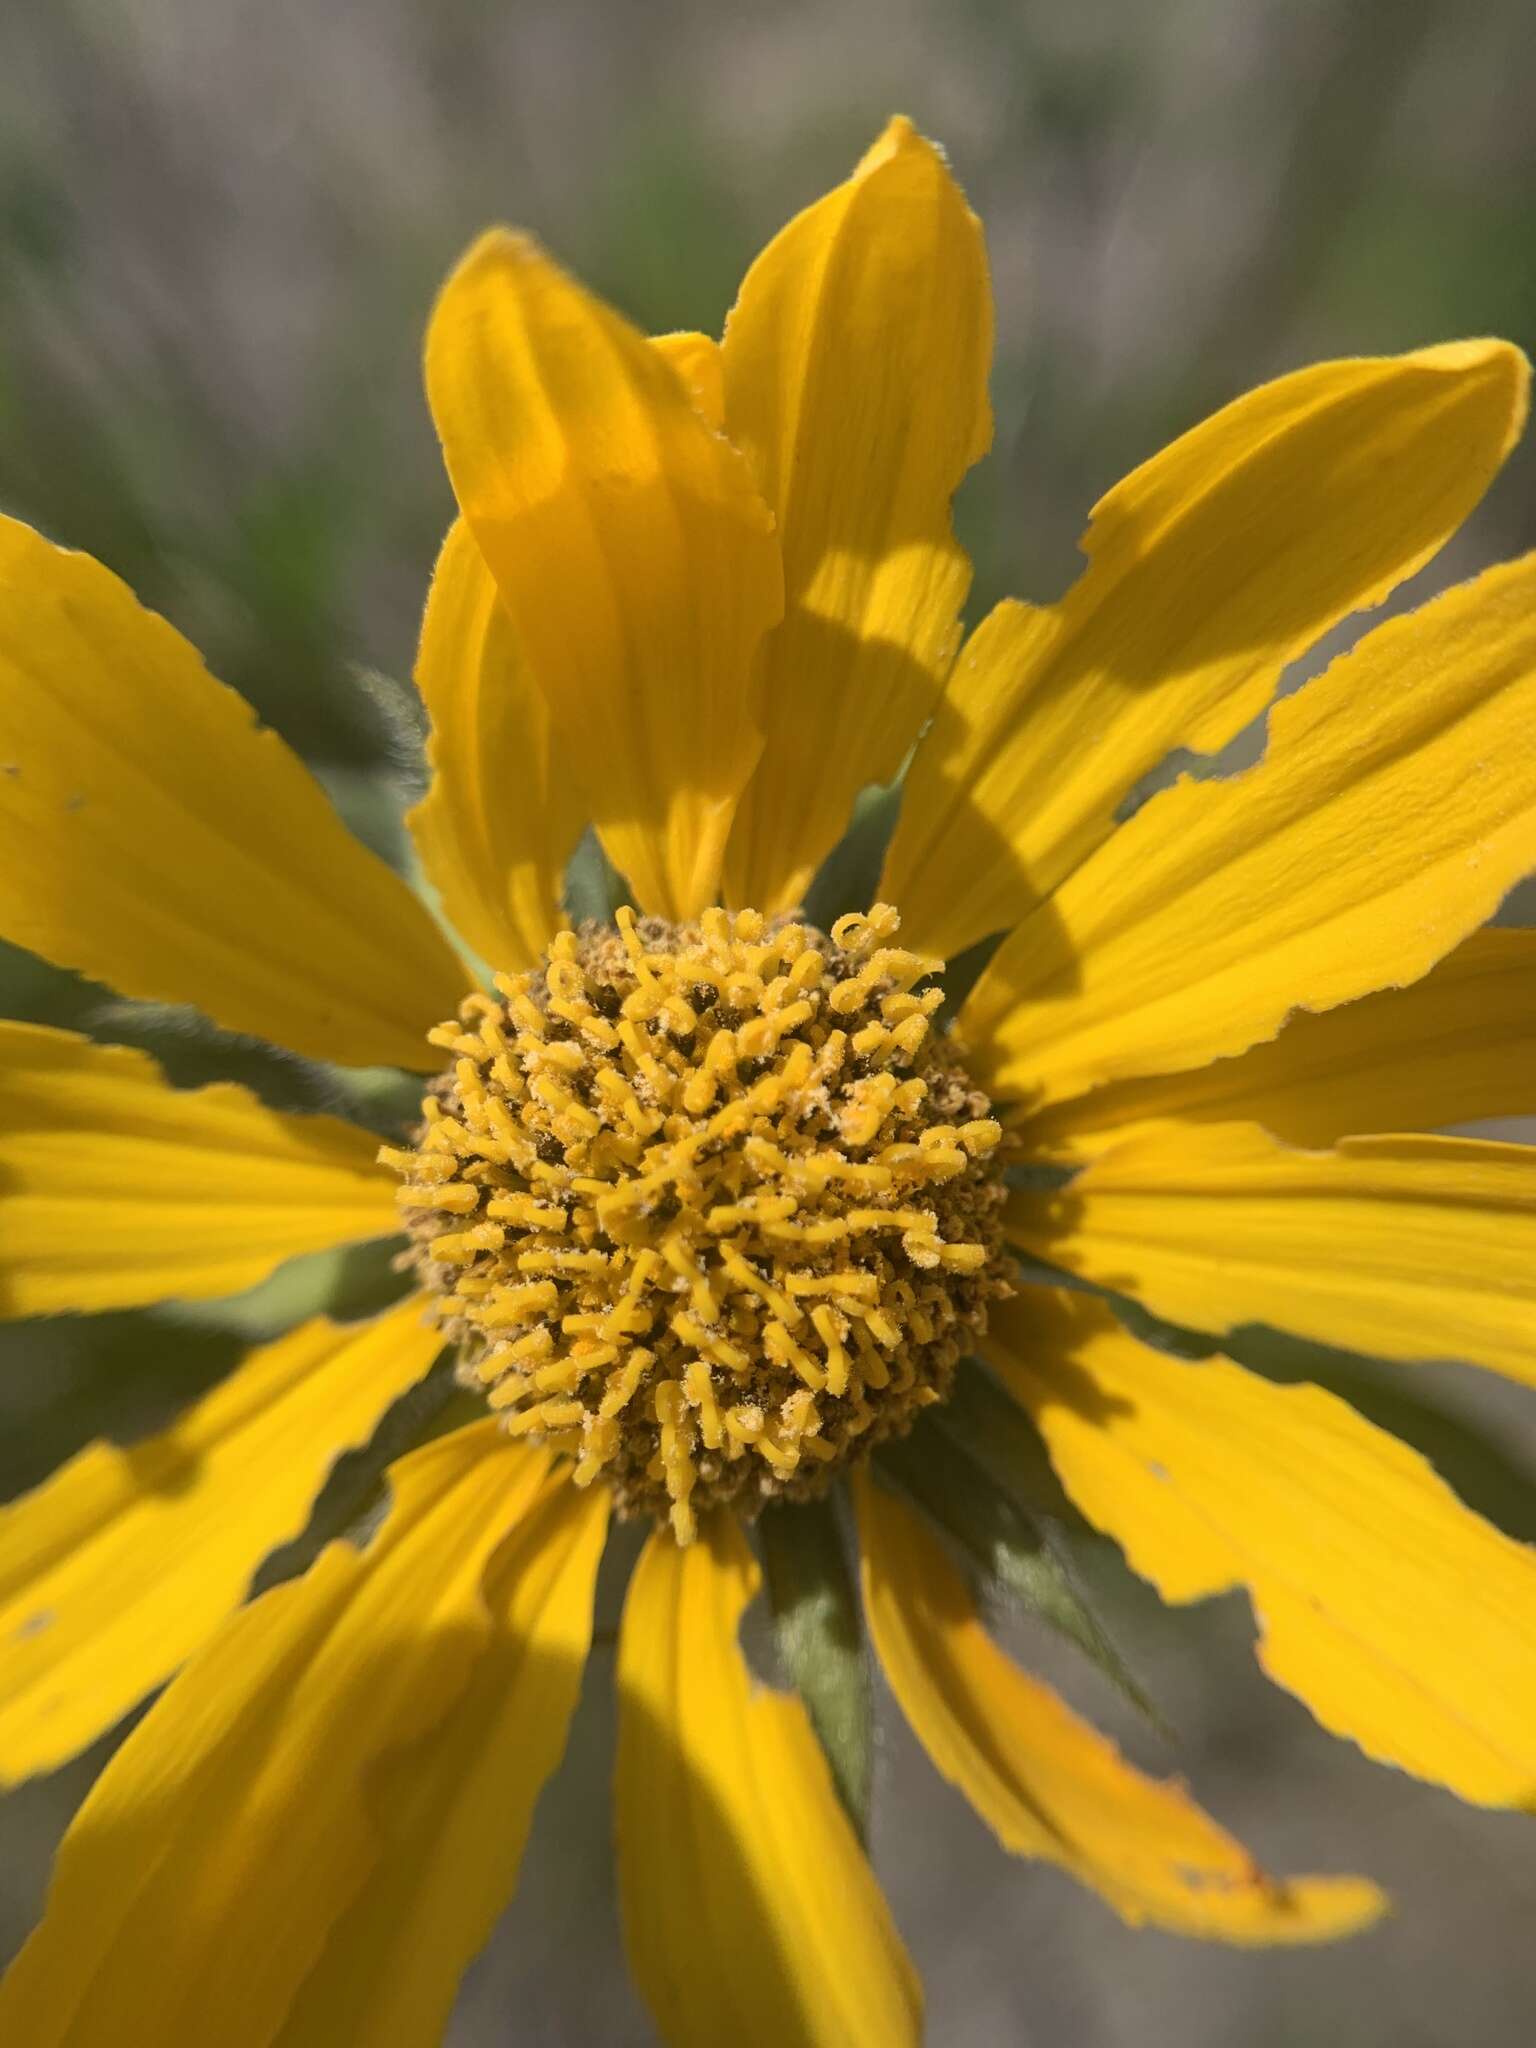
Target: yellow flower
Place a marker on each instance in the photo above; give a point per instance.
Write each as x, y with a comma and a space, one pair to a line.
709, 1203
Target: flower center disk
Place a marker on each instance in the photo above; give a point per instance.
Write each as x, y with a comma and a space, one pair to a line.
706, 1206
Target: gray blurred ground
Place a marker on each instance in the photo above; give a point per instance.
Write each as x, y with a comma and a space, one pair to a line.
220, 229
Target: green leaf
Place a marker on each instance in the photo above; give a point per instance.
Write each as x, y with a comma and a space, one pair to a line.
1007, 1546
820, 1636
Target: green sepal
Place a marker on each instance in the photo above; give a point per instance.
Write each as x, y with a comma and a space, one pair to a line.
849, 876
1190, 1345
819, 1632
191, 1052
403, 730
348, 1283
1009, 1549
991, 1429
370, 805
355, 1497
381, 1099
961, 975
593, 888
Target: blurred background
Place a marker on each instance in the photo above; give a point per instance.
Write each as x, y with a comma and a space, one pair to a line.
221, 226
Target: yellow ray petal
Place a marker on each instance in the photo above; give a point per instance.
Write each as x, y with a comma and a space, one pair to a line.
117, 1189
1050, 1786
454, 1811
1394, 807
117, 1568
1402, 1619
856, 365
1210, 568
696, 359
153, 837
750, 1914
631, 549
1410, 1248
195, 1891
1450, 1049
504, 813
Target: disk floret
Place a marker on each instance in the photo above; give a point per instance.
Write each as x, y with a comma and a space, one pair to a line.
704, 1205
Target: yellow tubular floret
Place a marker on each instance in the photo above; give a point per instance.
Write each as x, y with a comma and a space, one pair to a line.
738, 1234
